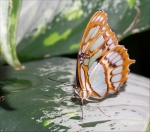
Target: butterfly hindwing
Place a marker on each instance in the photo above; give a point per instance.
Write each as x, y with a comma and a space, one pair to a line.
110, 71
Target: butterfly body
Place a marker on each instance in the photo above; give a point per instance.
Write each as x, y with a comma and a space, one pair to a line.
102, 64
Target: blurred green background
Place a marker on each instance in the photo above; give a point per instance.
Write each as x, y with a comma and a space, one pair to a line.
55, 28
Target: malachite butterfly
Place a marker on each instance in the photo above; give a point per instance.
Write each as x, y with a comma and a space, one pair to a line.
102, 64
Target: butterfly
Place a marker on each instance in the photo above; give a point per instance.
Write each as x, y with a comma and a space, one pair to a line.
102, 64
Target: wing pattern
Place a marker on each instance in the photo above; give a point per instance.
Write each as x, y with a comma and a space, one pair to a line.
102, 64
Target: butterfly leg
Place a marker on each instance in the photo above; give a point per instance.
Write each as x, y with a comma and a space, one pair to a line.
63, 97
76, 96
99, 107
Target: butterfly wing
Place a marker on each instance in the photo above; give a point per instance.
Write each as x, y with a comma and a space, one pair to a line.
102, 64
109, 72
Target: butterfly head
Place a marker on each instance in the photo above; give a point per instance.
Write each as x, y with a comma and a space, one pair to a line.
77, 90
75, 86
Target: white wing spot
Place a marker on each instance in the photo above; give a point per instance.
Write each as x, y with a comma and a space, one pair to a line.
109, 41
97, 79
103, 28
97, 70
94, 57
98, 42
95, 31
92, 33
97, 18
113, 56
84, 47
79, 52
116, 78
82, 77
117, 70
107, 34
116, 59
116, 85
89, 34
86, 61
111, 46
92, 67
101, 19
119, 62
109, 54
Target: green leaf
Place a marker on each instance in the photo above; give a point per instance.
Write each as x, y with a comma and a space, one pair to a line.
56, 28
34, 103
9, 12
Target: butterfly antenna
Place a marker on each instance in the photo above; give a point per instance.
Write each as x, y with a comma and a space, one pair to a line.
74, 86
62, 82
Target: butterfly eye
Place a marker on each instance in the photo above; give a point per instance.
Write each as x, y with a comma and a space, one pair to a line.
75, 87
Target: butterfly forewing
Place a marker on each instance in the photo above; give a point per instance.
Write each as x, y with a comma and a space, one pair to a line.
102, 64
97, 35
